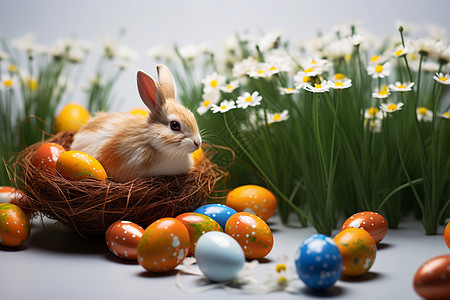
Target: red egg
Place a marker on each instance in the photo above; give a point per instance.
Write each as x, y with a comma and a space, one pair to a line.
252, 233
9, 194
447, 235
122, 238
370, 221
46, 156
14, 225
164, 245
432, 279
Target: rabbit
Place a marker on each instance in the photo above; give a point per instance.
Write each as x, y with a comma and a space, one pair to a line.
130, 146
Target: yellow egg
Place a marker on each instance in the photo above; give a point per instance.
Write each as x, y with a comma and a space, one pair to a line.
197, 156
253, 199
72, 117
139, 112
76, 165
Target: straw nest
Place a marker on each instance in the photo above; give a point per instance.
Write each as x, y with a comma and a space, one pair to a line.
90, 206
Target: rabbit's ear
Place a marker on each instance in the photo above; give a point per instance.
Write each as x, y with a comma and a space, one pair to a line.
166, 81
149, 91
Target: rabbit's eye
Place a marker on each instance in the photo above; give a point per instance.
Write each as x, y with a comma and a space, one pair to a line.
175, 126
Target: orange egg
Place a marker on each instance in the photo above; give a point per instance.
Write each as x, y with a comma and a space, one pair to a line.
76, 165
253, 199
372, 222
197, 156
122, 238
14, 225
46, 155
164, 245
252, 233
358, 251
432, 279
9, 194
447, 235
139, 112
72, 117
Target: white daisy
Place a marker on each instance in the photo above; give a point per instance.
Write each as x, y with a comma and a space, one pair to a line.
209, 99
288, 91
224, 106
391, 107
318, 88
379, 71
247, 100
213, 81
269, 41
241, 68
374, 125
262, 70
424, 114
356, 39
339, 85
317, 65
381, 94
277, 117
301, 80
401, 51
373, 113
445, 115
441, 78
230, 87
401, 87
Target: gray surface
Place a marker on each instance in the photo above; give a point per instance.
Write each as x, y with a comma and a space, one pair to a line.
55, 263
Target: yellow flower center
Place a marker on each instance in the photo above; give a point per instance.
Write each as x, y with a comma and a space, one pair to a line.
379, 68
422, 110
443, 79
214, 83
229, 87
306, 79
8, 83
392, 107
206, 103
317, 86
260, 71
338, 84
374, 58
339, 76
12, 68
280, 267
383, 92
401, 86
282, 280
348, 57
223, 107
273, 68
33, 84
373, 111
314, 62
309, 70
248, 99
276, 117
289, 89
446, 114
399, 52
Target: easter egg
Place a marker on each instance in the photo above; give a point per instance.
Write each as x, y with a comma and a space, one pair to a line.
253, 199
219, 256
76, 165
122, 238
372, 222
447, 235
197, 156
72, 117
14, 225
46, 155
9, 194
164, 245
358, 250
252, 233
318, 262
197, 225
432, 279
142, 112
218, 212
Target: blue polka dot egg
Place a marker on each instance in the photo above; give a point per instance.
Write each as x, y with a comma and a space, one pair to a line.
218, 212
318, 262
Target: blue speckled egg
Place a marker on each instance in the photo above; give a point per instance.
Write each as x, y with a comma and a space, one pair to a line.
219, 256
318, 262
218, 212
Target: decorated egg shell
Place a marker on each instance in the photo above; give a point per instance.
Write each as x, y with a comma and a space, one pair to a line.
46, 155
122, 238
197, 225
219, 256
164, 245
252, 233
14, 225
9, 194
319, 262
358, 250
447, 235
372, 222
218, 212
253, 199
432, 279
73, 116
76, 165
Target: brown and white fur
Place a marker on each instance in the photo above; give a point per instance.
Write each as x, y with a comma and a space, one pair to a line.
130, 146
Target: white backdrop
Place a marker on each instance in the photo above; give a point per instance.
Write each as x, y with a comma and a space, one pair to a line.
150, 23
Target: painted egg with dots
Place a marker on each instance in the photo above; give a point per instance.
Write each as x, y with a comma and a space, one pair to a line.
164, 245
77, 165
8, 194
358, 250
46, 155
253, 199
197, 225
218, 212
319, 262
447, 235
432, 279
372, 222
252, 233
14, 225
122, 238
